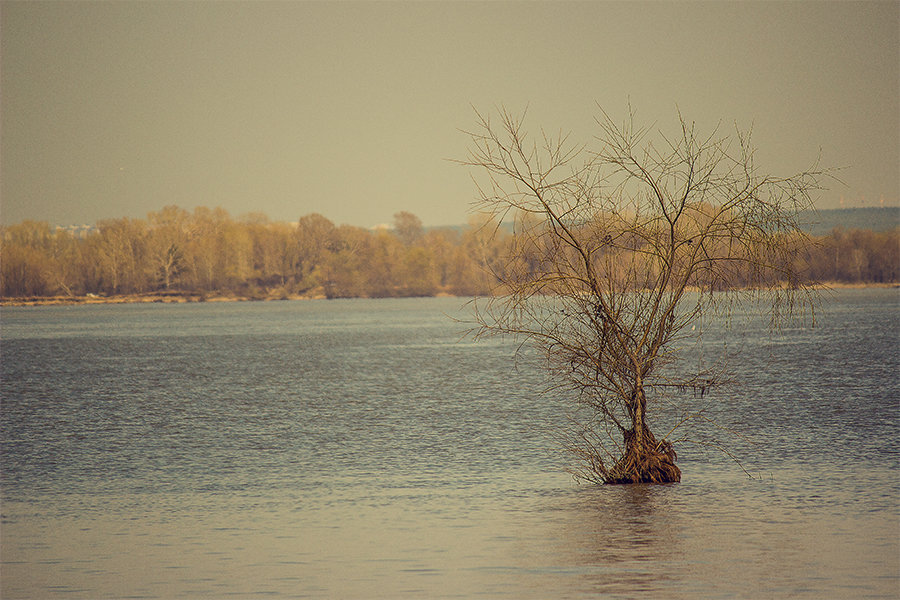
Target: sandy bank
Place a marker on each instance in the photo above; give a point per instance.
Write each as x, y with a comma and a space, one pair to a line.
185, 297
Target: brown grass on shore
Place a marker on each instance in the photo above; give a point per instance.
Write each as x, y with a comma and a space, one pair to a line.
843, 285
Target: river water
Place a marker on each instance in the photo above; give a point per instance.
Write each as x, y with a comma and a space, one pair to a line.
360, 449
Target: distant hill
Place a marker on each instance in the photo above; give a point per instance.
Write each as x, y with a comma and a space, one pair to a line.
876, 218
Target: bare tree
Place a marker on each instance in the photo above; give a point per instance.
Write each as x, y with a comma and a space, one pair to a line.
618, 251
408, 227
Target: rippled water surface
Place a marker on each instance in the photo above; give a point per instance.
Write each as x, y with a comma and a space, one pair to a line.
359, 449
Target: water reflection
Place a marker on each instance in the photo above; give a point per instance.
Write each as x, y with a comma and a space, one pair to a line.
623, 539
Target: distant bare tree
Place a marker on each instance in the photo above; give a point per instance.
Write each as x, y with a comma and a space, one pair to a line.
618, 251
316, 238
408, 227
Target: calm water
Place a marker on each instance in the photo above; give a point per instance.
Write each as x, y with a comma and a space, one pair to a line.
358, 449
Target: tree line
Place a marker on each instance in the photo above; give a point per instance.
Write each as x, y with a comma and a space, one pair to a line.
207, 251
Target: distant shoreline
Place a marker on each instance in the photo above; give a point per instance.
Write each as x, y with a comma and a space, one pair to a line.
188, 298
165, 298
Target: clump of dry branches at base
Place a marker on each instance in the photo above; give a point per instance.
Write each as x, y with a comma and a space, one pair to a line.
617, 252
654, 462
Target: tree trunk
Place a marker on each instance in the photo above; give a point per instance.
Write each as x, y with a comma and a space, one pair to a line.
645, 459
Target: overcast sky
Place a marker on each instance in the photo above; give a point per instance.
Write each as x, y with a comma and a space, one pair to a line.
351, 110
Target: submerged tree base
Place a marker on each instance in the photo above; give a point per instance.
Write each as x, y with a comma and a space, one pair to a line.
647, 461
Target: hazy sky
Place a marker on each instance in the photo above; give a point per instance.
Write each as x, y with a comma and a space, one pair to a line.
116, 109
